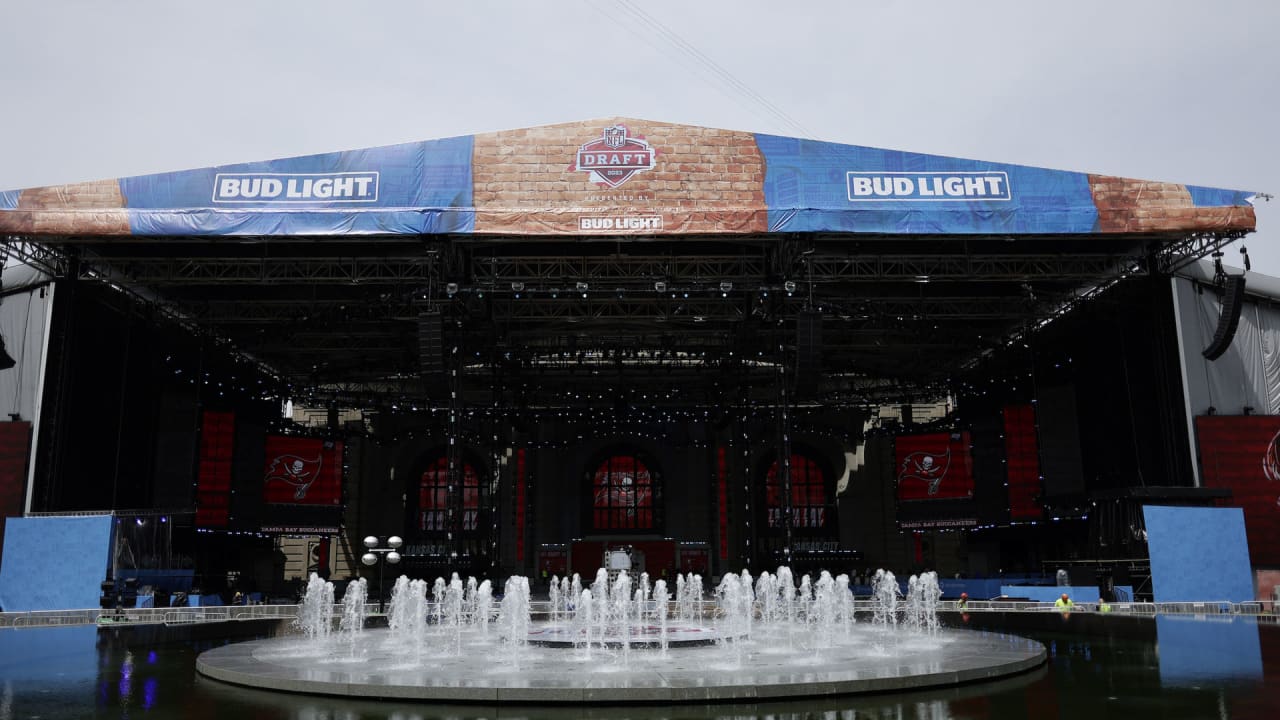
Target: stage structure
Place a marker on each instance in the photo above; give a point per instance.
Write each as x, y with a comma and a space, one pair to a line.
581, 337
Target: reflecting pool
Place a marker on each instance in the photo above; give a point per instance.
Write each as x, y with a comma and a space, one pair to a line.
1099, 667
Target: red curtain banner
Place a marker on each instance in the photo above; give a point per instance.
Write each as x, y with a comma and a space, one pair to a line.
520, 501
722, 501
937, 466
1242, 454
302, 471
1022, 462
15, 448
213, 479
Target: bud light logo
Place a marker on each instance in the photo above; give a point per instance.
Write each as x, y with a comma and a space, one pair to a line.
928, 186
614, 157
343, 187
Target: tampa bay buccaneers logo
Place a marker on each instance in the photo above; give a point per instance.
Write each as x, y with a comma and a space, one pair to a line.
1271, 461
296, 471
930, 468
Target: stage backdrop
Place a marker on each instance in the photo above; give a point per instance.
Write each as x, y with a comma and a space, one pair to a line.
54, 563
1242, 454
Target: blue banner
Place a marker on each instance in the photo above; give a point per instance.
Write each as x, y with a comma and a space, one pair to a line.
623, 177
414, 188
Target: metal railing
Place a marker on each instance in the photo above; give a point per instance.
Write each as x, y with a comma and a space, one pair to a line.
542, 610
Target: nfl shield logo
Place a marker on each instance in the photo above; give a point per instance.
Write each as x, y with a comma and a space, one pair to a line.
615, 136
614, 157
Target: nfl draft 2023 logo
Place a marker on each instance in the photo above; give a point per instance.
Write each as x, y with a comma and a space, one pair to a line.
615, 157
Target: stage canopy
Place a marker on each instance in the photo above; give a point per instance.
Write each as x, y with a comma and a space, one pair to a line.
615, 257
621, 176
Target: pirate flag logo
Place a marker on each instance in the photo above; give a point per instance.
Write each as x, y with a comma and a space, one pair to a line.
929, 468
296, 471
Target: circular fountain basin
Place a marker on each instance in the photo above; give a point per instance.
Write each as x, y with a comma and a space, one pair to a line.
774, 663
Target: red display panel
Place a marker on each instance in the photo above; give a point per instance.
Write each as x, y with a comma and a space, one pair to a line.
1242, 454
15, 448
302, 471
934, 467
1022, 462
213, 479
623, 496
808, 494
433, 497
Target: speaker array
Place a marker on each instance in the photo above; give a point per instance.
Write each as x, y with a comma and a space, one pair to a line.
1229, 319
430, 343
808, 352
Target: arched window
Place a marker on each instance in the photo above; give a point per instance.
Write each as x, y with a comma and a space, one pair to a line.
810, 508
433, 496
625, 494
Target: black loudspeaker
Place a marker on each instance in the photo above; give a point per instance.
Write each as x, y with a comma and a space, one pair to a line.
1082, 576
430, 343
1232, 304
808, 351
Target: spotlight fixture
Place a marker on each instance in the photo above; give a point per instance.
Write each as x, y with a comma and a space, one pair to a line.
660, 286
451, 289
789, 286
726, 287
581, 286
517, 286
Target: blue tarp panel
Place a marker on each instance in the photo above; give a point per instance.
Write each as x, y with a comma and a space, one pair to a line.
1198, 554
54, 563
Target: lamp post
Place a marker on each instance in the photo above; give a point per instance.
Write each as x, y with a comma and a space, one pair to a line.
374, 553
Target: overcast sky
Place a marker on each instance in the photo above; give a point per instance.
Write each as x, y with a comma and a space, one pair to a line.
1185, 91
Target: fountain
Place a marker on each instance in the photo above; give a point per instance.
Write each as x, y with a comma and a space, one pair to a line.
624, 640
315, 614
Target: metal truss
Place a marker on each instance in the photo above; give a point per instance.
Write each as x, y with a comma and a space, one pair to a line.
160, 272
497, 274
50, 260
1176, 255
696, 310
615, 271
977, 268
257, 312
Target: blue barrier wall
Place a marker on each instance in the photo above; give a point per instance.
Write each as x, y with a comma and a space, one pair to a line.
54, 563
1198, 554
1050, 593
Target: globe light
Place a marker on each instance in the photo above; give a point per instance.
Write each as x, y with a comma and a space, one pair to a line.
370, 541
368, 558
394, 541
393, 557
